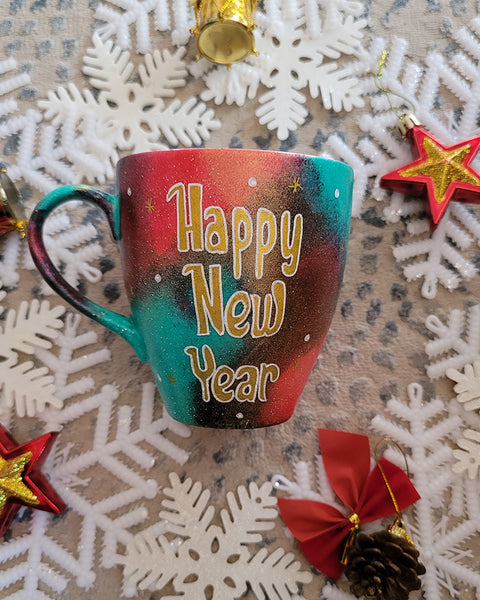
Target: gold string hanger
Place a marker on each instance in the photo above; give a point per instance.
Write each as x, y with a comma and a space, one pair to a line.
398, 526
406, 120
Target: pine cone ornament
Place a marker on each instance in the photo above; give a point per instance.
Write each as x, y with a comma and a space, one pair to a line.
383, 566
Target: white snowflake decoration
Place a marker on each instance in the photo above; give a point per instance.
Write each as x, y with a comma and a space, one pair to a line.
467, 391
76, 248
458, 339
294, 47
126, 115
8, 84
86, 133
65, 363
29, 166
40, 387
202, 554
467, 385
23, 385
117, 18
454, 234
468, 454
381, 150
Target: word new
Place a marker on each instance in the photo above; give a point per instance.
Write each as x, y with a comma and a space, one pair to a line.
214, 239
209, 309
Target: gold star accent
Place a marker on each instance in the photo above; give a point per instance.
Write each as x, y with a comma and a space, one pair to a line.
149, 206
440, 173
11, 482
295, 185
171, 378
443, 166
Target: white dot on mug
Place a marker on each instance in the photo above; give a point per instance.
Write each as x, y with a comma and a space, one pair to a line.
239, 415
306, 338
252, 182
158, 278
129, 191
337, 193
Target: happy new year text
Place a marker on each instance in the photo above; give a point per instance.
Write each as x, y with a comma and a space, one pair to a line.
242, 313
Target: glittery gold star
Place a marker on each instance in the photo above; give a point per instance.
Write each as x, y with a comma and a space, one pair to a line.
171, 378
149, 206
11, 482
442, 173
21, 481
295, 185
443, 166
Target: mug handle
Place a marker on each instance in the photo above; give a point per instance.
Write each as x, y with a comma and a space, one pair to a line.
118, 323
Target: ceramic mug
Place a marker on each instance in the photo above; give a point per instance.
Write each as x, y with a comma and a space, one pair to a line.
232, 261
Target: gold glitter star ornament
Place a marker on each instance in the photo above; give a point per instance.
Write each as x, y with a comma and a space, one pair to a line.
440, 172
21, 482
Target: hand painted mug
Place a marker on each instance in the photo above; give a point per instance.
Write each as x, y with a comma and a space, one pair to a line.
232, 261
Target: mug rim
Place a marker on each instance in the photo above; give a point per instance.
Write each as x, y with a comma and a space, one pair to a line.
276, 153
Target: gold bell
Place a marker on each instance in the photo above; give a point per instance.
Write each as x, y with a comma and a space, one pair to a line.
12, 215
224, 32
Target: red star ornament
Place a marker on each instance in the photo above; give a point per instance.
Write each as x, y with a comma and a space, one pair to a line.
21, 482
440, 172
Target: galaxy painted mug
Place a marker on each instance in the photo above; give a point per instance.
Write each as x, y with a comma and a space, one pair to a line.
232, 261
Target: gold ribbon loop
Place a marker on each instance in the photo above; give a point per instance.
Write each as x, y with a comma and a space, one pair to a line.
352, 534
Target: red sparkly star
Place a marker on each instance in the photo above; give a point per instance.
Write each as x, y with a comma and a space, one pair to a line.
21, 481
443, 173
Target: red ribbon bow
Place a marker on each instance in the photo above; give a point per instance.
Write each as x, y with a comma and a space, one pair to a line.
321, 529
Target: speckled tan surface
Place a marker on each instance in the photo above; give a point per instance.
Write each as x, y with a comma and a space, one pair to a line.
377, 339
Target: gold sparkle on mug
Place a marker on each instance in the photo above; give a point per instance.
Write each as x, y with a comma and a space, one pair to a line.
149, 206
295, 186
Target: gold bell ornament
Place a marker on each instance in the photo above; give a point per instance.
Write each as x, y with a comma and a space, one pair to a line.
12, 214
224, 32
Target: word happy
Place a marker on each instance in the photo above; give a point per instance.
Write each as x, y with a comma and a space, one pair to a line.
243, 313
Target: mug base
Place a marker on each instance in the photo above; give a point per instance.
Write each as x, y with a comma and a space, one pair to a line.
240, 420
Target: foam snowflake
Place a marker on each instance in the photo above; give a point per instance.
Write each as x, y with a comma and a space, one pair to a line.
75, 248
428, 89
22, 128
208, 555
295, 49
126, 114
39, 387
8, 84
457, 340
66, 363
442, 537
455, 233
467, 391
117, 18
23, 385
77, 136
